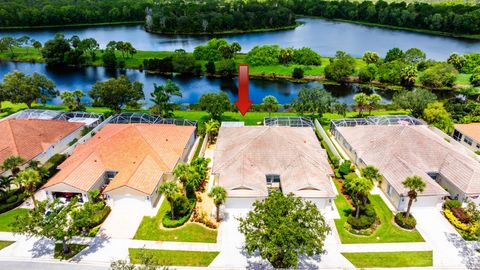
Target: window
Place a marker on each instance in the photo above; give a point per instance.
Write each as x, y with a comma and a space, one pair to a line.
389, 190
457, 135
478, 145
273, 182
467, 140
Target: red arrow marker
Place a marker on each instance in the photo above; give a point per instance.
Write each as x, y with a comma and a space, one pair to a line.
243, 102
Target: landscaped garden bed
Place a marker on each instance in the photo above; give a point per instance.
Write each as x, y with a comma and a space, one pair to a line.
466, 220
172, 257
390, 259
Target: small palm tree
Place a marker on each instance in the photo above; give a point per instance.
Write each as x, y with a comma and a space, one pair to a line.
182, 173
219, 195
169, 190
211, 128
13, 163
360, 187
371, 173
5, 183
30, 179
415, 184
373, 101
361, 101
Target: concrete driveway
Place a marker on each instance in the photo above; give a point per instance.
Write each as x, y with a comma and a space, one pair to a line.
124, 219
448, 246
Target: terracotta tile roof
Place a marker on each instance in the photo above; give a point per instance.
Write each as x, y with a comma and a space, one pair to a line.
30, 137
140, 153
401, 151
471, 130
245, 155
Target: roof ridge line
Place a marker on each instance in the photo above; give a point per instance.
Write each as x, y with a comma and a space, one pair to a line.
150, 145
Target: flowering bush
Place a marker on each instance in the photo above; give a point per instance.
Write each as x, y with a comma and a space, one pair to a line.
455, 222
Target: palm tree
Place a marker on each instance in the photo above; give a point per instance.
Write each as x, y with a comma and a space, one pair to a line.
219, 195
5, 183
360, 187
211, 128
12, 163
371, 173
373, 101
169, 190
415, 184
30, 179
182, 173
361, 101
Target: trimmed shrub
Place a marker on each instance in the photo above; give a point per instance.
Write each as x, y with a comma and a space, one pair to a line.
4, 207
297, 73
452, 204
401, 221
460, 214
169, 223
367, 218
345, 168
181, 206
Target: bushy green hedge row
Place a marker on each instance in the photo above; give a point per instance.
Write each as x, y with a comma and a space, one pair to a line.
12, 202
169, 223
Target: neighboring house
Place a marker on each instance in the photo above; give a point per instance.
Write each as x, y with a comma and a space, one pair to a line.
251, 161
35, 139
402, 150
468, 135
127, 162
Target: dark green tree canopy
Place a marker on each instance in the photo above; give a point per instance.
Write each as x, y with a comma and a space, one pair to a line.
313, 100
282, 228
416, 100
161, 96
215, 104
116, 93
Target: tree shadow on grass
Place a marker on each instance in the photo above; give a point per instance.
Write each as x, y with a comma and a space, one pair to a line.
255, 262
97, 243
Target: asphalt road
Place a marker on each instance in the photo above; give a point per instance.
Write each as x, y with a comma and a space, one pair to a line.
21, 265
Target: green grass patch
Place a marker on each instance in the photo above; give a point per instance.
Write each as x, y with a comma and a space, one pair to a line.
7, 218
172, 257
74, 250
387, 232
4, 244
390, 259
150, 229
199, 147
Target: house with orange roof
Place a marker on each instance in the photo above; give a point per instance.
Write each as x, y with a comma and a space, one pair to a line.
35, 139
468, 135
127, 162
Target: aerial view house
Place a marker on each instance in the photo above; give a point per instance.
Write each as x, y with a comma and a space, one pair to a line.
127, 162
468, 135
251, 161
402, 146
34, 136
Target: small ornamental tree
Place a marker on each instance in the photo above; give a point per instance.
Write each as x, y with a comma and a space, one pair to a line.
169, 189
270, 103
211, 128
282, 228
50, 220
414, 184
219, 195
215, 104
359, 188
181, 172
371, 173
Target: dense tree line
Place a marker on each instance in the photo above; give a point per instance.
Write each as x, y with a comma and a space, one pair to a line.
458, 18
216, 16
59, 12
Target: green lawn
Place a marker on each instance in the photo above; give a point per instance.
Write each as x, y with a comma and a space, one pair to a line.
4, 244
390, 259
172, 257
74, 250
149, 229
9, 217
387, 232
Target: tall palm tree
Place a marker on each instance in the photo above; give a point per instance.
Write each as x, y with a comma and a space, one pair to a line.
30, 179
361, 101
169, 190
415, 184
219, 195
13, 163
371, 173
182, 173
360, 188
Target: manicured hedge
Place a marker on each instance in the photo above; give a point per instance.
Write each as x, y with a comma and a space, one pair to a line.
9, 204
169, 223
367, 218
408, 223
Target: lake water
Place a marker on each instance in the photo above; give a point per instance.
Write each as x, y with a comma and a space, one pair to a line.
325, 37
192, 87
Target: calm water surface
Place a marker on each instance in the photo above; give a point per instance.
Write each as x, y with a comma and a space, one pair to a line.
325, 37
192, 87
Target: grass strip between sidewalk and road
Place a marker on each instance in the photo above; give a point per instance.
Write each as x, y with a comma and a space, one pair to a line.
390, 259
4, 244
74, 250
172, 257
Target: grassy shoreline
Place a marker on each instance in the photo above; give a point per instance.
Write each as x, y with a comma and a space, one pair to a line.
393, 27
275, 72
230, 32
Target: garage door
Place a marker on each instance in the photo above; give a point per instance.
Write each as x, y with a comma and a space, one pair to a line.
426, 201
240, 203
129, 201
